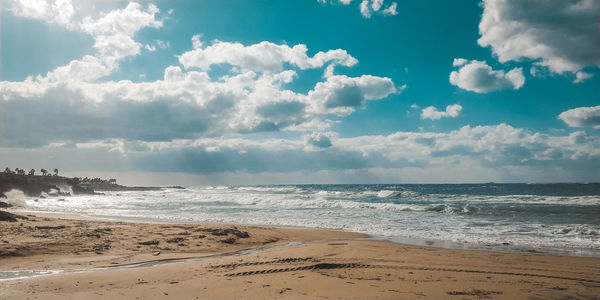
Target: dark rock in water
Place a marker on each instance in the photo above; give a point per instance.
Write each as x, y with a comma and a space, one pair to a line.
8, 217
78, 189
5, 205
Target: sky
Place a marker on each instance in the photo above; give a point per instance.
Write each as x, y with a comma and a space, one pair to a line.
302, 91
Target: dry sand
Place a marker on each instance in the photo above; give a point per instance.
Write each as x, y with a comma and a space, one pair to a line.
116, 260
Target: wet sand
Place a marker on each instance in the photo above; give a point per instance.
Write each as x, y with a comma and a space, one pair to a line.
117, 260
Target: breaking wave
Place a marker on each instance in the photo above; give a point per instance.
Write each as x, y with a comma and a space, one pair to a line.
517, 215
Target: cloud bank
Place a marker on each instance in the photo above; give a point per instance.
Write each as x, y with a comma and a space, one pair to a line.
491, 151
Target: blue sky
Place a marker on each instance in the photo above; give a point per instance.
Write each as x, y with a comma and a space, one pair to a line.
330, 91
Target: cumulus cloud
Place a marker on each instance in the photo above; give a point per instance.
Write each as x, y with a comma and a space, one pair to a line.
477, 76
341, 94
581, 76
432, 113
318, 140
391, 10
459, 62
369, 7
51, 11
182, 105
376, 5
582, 116
196, 42
262, 57
68, 106
562, 35
113, 34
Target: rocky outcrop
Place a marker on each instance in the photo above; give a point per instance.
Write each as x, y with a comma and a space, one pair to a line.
9, 217
36, 185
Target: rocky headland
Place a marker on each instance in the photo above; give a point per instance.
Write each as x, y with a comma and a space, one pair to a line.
40, 185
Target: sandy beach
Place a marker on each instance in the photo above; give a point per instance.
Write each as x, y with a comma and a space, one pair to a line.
118, 260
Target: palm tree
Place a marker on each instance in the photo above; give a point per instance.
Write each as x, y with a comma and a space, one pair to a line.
31, 172
44, 172
55, 172
7, 171
20, 171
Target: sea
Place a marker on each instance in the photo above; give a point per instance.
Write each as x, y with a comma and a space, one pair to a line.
549, 218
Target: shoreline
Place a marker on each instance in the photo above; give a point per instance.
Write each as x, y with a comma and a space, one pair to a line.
435, 243
118, 260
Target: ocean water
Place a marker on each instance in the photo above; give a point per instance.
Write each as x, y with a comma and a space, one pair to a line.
563, 218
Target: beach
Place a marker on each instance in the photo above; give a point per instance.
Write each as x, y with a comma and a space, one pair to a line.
79, 258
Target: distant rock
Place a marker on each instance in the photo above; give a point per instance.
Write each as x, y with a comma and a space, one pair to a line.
8, 217
36, 185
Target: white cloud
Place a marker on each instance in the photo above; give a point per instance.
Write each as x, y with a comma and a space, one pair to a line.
459, 62
365, 10
113, 34
51, 11
369, 7
150, 48
157, 44
581, 76
376, 4
125, 21
432, 113
562, 35
391, 10
262, 57
319, 140
341, 94
477, 76
88, 68
196, 42
582, 116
